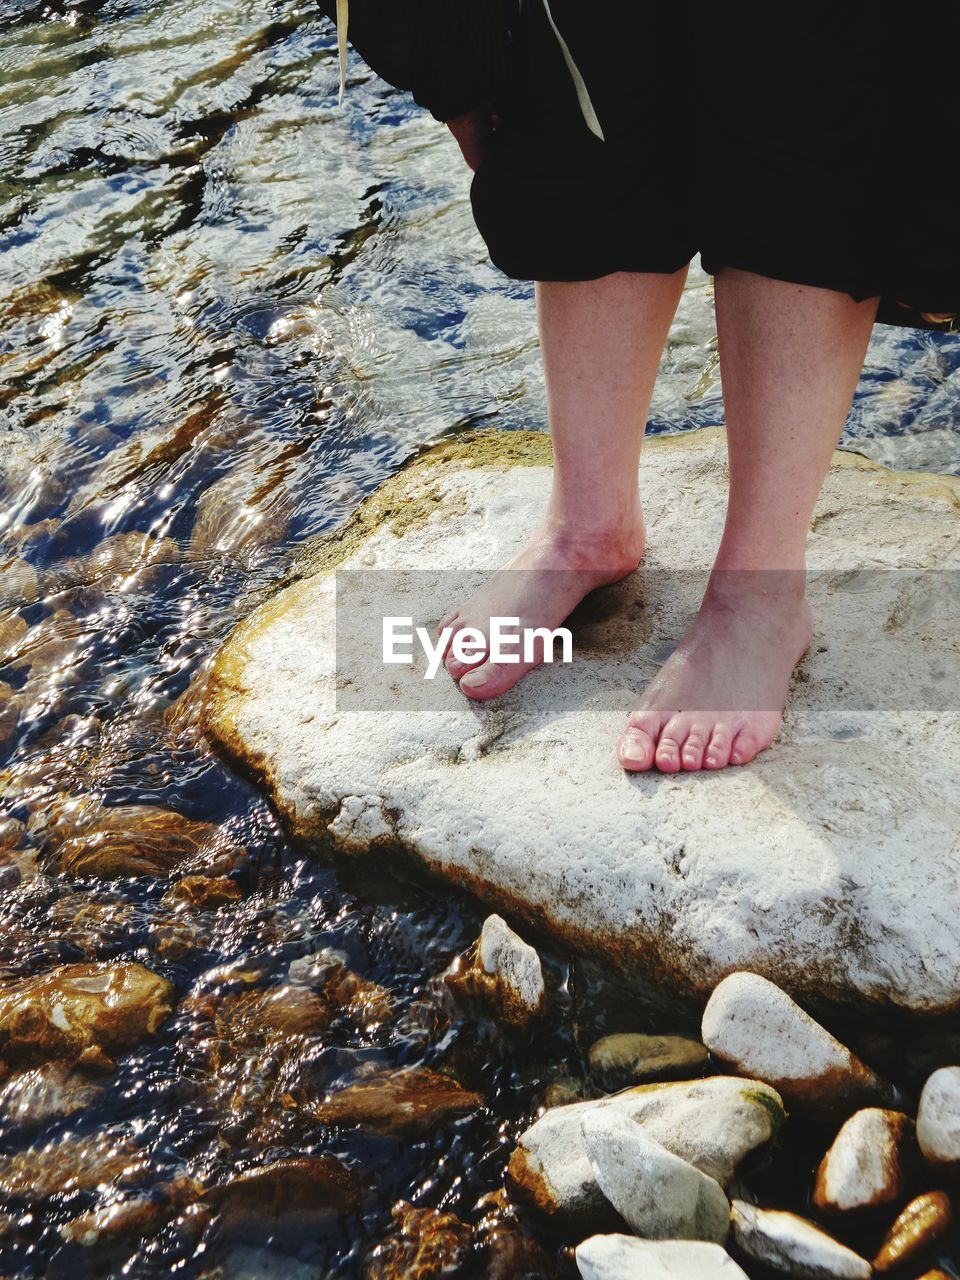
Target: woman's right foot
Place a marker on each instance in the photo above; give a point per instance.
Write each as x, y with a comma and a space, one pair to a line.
542, 585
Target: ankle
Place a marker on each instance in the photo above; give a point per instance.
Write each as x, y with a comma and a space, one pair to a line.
782, 590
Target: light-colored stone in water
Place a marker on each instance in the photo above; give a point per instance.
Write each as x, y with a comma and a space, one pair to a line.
801, 866
922, 1225
713, 1124
754, 1027
621, 1257
938, 1120
793, 1246
45, 1093
865, 1167
504, 971
626, 1058
660, 1196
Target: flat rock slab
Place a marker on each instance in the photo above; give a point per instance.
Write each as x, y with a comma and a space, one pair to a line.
829, 865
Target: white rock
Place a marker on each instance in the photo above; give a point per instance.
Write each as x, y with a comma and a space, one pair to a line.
760, 1032
803, 866
938, 1120
713, 1124
513, 965
660, 1196
865, 1167
794, 1246
621, 1257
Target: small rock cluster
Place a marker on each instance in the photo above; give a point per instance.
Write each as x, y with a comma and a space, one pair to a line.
666, 1168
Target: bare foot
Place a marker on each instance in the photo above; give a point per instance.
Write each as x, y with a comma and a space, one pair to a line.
541, 586
720, 697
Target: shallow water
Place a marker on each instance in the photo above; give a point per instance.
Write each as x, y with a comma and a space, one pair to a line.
228, 310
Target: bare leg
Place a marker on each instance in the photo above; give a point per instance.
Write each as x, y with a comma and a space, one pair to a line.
790, 359
601, 342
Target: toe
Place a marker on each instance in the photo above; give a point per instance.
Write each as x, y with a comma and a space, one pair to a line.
459, 666
491, 679
691, 754
745, 747
635, 748
717, 754
667, 756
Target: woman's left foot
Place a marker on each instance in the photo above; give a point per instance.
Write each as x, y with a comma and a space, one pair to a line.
719, 698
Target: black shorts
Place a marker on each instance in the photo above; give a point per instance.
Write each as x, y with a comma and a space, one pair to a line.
813, 143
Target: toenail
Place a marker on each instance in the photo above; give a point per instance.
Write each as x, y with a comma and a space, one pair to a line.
711, 759
633, 749
474, 679
737, 758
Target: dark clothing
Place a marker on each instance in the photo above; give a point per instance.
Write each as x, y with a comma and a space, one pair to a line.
812, 142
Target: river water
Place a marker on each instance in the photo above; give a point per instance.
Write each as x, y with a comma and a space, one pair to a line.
228, 310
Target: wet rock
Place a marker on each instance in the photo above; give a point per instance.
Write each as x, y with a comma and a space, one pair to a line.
132, 1219
668, 878
427, 1245
617, 1061
175, 939
868, 1163
17, 867
758, 1031
793, 1246
327, 972
82, 1013
938, 1119
134, 840
249, 1019
400, 1103
507, 1251
202, 892
11, 706
562, 1091
660, 1196
713, 1124
246, 1262
19, 583
503, 973
12, 833
922, 1225
621, 1257
14, 630
98, 927
232, 520
97, 1161
45, 1093
118, 563
289, 1198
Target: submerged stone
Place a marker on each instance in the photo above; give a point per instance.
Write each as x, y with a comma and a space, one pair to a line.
868, 1163
427, 1245
100, 1160
617, 1061
801, 866
82, 1013
44, 1093
400, 1103
288, 1198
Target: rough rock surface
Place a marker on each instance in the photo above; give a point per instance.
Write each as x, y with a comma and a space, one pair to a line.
621, 1257
803, 866
938, 1120
712, 1123
867, 1164
754, 1027
658, 1195
793, 1246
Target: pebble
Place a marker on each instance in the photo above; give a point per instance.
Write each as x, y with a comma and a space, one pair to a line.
922, 1224
91, 1163
866, 1167
504, 973
617, 1061
754, 1027
289, 1198
792, 1245
938, 1119
660, 1196
403, 1103
712, 1123
622, 1257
